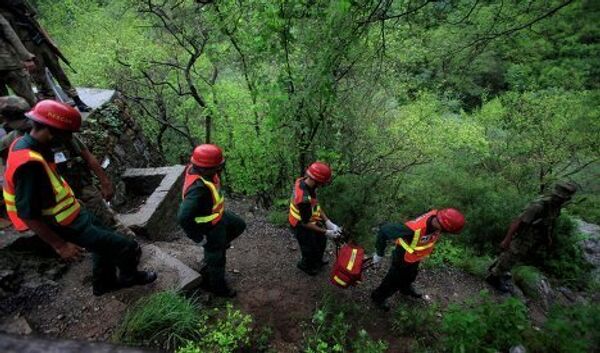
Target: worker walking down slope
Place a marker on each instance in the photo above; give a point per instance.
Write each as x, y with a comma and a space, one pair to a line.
415, 240
38, 198
534, 230
203, 217
311, 225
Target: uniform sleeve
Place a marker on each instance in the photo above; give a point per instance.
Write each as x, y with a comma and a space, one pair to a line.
12, 38
532, 212
389, 233
29, 179
197, 201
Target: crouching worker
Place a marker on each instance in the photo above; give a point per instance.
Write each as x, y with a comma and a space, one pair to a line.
203, 217
308, 220
38, 198
414, 241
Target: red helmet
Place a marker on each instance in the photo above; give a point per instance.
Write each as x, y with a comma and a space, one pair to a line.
451, 220
207, 156
320, 172
56, 114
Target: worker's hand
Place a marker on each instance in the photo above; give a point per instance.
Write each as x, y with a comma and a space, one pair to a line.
69, 252
332, 234
107, 190
29, 65
332, 226
505, 244
377, 260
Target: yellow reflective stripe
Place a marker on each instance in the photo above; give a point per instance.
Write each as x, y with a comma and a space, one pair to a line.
426, 246
352, 259
8, 197
294, 211
54, 210
402, 243
11, 208
67, 213
206, 219
416, 238
339, 281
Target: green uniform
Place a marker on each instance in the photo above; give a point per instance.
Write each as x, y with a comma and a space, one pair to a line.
12, 72
401, 273
21, 16
198, 202
33, 192
537, 223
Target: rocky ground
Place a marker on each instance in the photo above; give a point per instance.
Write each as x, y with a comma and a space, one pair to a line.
55, 300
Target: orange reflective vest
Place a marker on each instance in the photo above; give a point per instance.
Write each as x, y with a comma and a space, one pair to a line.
297, 197
422, 244
215, 189
65, 209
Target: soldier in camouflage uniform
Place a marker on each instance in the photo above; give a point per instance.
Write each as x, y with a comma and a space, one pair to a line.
15, 60
22, 16
74, 162
534, 227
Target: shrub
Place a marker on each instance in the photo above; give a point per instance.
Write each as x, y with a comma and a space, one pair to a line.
329, 332
571, 329
165, 319
484, 326
460, 256
416, 320
221, 334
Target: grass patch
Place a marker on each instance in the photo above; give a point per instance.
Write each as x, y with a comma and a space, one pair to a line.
166, 320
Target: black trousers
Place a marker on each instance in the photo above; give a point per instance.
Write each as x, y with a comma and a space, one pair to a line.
400, 275
312, 246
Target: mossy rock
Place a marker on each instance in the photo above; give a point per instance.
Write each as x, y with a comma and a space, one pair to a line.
533, 283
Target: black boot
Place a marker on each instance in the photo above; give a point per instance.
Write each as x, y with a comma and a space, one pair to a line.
138, 278
498, 283
302, 266
379, 303
411, 291
222, 289
84, 108
101, 287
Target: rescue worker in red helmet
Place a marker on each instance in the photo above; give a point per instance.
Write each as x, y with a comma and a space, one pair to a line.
38, 198
203, 217
311, 225
414, 241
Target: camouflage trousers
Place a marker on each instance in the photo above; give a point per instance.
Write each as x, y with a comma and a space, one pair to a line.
91, 197
522, 249
19, 81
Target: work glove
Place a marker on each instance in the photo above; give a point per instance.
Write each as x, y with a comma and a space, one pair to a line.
332, 226
332, 234
377, 260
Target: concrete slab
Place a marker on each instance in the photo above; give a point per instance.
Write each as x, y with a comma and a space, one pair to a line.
156, 218
95, 97
172, 273
28, 344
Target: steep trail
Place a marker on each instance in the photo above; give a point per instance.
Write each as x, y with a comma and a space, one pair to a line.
262, 267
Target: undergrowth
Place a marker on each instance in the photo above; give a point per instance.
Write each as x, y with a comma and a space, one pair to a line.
330, 331
164, 320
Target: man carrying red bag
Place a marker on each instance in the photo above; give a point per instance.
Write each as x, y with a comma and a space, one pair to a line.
414, 241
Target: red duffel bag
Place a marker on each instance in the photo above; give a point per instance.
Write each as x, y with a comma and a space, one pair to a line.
348, 267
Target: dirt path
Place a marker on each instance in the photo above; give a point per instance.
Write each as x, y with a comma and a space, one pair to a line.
261, 266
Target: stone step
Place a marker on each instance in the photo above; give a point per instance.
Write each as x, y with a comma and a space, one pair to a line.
172, 273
